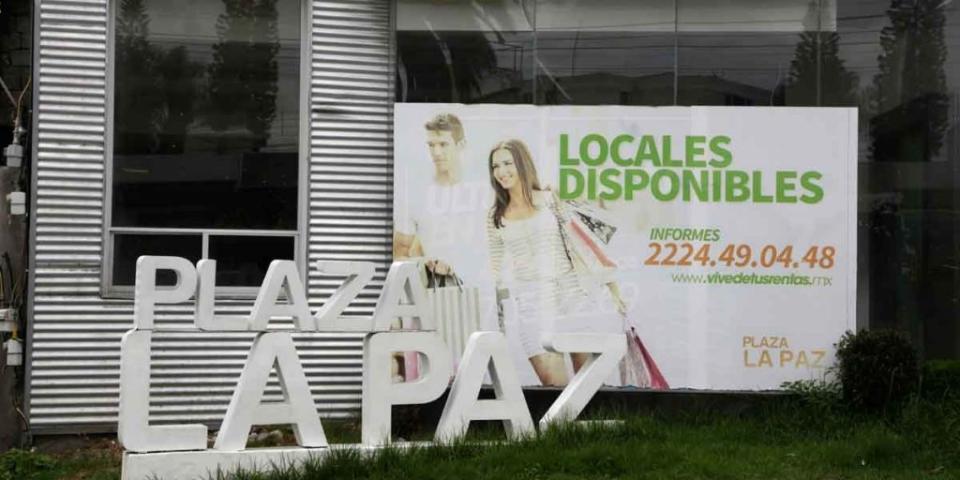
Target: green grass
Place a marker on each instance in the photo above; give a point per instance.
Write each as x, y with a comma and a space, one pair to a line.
796, 439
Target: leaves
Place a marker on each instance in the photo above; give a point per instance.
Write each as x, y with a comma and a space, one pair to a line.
878, 369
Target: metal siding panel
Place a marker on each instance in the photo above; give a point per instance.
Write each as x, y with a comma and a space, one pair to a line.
76, 333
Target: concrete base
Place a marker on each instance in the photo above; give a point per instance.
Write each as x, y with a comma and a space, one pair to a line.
201, 464
206, 463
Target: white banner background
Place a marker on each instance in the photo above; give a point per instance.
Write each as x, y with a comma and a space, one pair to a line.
696, 332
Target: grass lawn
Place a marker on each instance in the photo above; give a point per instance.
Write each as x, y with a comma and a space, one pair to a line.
794, 440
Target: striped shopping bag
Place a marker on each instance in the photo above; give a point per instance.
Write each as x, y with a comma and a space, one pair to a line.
456, 310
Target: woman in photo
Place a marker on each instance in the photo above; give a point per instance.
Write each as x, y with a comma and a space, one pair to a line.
524, 226
559, 278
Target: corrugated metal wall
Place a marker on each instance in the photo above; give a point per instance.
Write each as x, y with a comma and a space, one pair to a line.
74, 364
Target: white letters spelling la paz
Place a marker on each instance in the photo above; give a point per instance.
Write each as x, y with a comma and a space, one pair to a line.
282, 295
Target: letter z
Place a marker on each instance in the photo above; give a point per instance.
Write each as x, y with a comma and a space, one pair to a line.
607, 350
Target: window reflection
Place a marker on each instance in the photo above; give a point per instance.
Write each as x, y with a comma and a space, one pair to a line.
782, 52
910, 230
243, 261
206, 114
763, 69
605, 68
889, 58
909, 94
615, 52
127, 248
464, 52
464, 67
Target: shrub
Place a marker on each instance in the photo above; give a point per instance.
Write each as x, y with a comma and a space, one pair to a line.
877, 369
941, 379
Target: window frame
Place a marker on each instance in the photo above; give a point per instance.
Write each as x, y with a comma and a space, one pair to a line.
107, 287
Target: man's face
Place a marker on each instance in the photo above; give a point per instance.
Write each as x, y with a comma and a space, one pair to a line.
444, 151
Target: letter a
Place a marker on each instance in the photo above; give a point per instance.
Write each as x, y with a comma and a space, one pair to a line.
246, 409
282, 275
403, 283
485, 349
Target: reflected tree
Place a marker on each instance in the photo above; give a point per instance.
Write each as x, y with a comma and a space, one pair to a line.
155, 90
177, 76
243, 75
909, 107
137, 97
443, 66
909, 91
818, 75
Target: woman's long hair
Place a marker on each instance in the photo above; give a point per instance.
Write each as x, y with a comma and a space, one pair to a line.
526, 170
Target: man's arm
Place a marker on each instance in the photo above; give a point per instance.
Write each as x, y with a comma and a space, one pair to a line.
406, 246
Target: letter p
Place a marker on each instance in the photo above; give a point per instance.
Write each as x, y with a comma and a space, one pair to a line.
147, 294
379, 391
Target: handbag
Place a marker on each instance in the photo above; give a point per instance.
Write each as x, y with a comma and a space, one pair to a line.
456, 309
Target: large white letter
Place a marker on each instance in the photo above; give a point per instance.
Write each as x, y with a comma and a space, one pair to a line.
147, 294
246, 409
463, 406
204, 318
403, 283
282, 275
358, 276
607, 350
134, 428
379, 391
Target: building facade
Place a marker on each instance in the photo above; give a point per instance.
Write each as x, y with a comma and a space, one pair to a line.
249, 130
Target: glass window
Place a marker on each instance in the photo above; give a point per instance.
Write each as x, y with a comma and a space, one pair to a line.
605, 68
766, 54
206, 128
905, 57
242, 260
128, 247
605, 53
891, 59
465, 52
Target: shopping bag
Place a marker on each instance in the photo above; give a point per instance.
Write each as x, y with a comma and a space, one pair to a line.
457, 313
590, 262
594, 220
456, 310
637, 368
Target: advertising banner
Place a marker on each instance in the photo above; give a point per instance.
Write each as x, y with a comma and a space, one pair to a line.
720, 240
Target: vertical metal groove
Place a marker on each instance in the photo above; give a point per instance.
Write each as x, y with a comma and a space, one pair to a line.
75, 333
351, 177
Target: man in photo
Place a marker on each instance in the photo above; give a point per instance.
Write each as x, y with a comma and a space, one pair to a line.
440, 218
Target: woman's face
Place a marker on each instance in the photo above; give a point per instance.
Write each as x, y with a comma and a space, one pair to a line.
504, 169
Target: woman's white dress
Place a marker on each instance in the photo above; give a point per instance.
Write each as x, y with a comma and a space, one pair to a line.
543, 284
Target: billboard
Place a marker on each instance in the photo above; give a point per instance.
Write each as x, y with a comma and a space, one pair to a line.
721, 240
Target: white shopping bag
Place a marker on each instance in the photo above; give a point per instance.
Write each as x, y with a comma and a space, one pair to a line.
456, 310
457, 313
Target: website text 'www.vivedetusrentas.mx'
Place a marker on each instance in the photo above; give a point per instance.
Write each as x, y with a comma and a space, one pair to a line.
752, 278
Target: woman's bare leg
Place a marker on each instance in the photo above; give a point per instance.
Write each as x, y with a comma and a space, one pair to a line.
579, 360
550, 369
